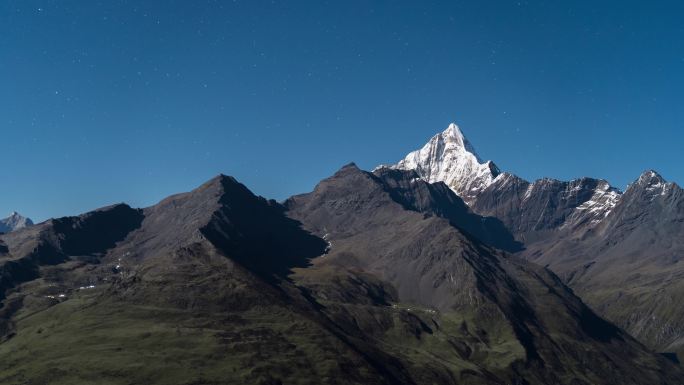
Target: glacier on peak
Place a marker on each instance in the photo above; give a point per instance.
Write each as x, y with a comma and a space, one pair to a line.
450, 158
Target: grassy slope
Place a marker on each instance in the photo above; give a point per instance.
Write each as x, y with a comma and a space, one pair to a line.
81, 341
200, 322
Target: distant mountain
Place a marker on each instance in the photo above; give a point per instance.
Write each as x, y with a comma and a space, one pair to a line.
630, 266
620, 251
14, 222
369, 279
532, 209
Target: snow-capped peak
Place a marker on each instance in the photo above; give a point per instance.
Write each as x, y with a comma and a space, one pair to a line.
450, 158
454, 135
651, 184
650, 177
14, 222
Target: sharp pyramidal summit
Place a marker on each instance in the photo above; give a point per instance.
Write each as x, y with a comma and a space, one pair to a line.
14, 221
450, 158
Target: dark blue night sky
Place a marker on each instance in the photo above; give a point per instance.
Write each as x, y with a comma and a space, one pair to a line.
108, 101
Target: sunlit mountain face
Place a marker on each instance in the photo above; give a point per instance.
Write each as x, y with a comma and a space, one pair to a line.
13, 222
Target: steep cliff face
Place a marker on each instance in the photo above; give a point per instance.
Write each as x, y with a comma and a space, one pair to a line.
532, 210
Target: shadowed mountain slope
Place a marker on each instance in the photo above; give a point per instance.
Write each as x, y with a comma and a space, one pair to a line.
533, 210
537, 329
165, 305
630, 267
438, 199
620, 253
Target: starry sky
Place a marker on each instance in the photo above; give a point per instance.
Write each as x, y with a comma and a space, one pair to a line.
110, 101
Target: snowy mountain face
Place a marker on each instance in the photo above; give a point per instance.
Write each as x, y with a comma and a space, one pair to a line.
603, 200
649, 198
14, 222
653, 185
546, 204
448, 157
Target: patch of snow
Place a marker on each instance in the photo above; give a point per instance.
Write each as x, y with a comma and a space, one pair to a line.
595, 209
528, 192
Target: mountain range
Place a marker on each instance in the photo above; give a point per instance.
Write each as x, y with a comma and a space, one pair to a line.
386, 277
622, 252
